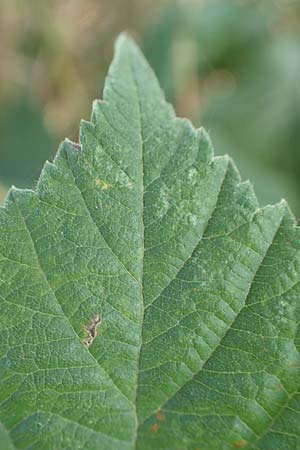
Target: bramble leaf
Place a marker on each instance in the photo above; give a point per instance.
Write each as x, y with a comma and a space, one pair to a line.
147, 302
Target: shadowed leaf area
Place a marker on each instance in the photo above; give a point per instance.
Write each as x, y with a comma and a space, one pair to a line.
147, 302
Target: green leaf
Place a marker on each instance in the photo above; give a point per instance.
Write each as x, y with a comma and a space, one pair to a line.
146, 301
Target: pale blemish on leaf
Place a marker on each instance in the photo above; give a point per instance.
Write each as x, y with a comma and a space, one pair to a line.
164, 201
192, 175
193, 219
102, 184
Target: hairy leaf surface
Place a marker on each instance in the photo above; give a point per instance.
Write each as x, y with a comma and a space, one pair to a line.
147, 302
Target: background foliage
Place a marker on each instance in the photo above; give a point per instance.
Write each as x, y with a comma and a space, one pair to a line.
232, 66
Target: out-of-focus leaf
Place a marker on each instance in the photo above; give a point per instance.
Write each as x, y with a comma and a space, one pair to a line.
159, 41
22, 128
226, 32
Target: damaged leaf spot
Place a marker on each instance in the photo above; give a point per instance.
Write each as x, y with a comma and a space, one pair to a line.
76, 145
294, 365
155, 427
92, 330
240, 444
160, 416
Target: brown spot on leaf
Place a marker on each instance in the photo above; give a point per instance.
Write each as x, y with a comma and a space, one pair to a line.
155, 427
76, 145
240, 444
160, 416
294, 365
91, 330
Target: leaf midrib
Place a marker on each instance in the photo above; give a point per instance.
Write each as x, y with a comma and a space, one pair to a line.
142, 149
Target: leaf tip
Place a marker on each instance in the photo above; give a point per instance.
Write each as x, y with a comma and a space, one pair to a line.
124, 39
283, 203
13, 190
126, 44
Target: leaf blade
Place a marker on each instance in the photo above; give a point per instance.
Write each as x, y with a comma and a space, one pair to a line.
199, 337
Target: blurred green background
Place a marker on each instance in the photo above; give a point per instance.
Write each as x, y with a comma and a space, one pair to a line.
231, 66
